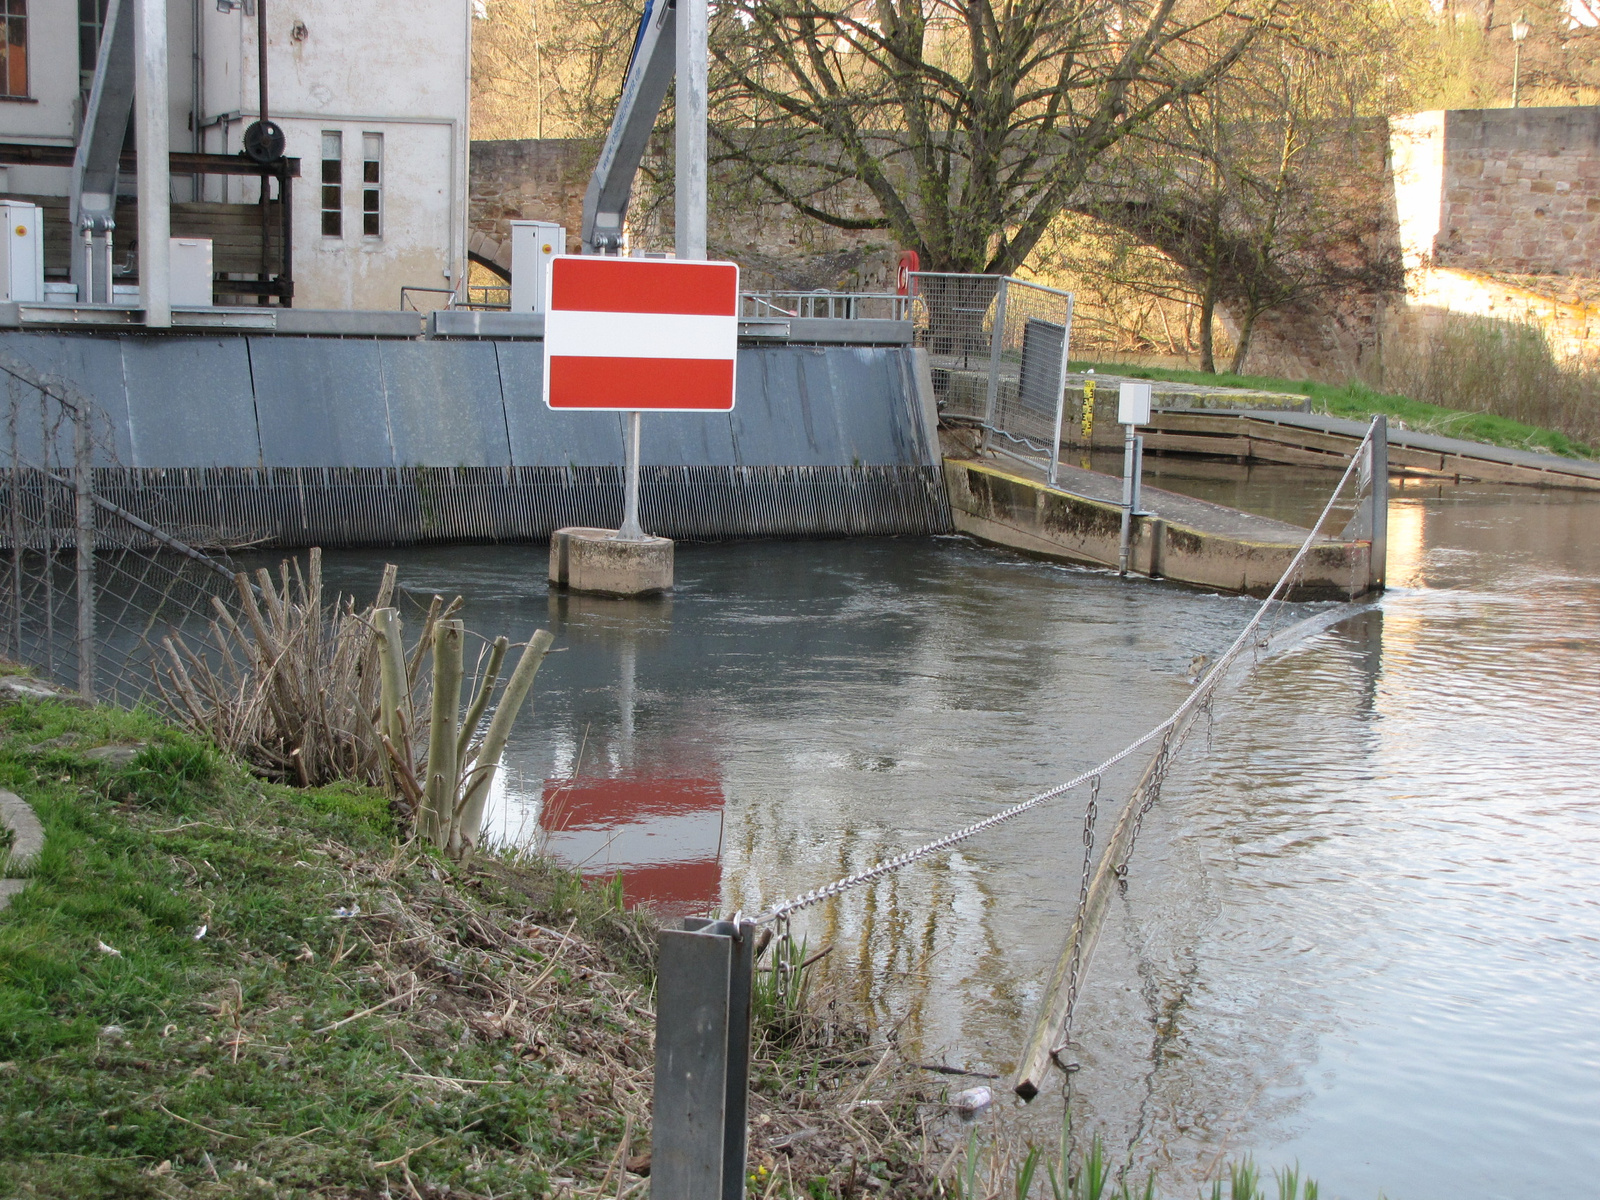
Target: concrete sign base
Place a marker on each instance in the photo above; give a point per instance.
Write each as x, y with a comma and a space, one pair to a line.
597, 561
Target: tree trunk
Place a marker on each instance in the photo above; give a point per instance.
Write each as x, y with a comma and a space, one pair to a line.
1208, 308
1246, 328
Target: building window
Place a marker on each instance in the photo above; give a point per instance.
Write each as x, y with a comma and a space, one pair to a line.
372, 184
14, 49
91, 24
332, 184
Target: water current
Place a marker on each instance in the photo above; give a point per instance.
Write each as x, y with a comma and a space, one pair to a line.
1362, 930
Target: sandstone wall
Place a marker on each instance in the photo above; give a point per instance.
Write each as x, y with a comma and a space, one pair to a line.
525, 180
1521, 191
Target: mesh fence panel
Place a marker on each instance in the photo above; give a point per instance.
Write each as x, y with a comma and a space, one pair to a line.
89, 590
998, 350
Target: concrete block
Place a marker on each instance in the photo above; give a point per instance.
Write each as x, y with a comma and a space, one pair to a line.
27, 835
596, 561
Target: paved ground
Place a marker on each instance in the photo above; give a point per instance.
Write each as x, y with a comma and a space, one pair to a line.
1200, 515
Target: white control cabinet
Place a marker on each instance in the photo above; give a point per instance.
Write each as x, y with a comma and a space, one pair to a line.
533, 245
191, 272
22, 252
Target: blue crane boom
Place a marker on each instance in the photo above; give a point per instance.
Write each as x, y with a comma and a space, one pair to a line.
650, 70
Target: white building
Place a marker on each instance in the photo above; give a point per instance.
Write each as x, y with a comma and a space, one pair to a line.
372, 98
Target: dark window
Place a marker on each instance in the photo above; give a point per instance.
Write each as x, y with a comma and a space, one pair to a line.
14, 48
372, 184
332, 184
91, 24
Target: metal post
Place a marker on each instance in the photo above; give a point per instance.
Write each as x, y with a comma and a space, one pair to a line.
689, 168
1377, 570
1061, 396
83, 487
997, 341
702, 1072
1127, 502
1138, 477
155, 176
631, 530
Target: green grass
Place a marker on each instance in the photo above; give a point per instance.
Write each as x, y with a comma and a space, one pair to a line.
1358, 401
193, 1066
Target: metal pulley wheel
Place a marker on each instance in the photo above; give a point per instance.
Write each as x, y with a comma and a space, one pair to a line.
264, 141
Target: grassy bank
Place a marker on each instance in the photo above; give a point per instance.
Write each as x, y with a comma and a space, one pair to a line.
219, 987
1357, 401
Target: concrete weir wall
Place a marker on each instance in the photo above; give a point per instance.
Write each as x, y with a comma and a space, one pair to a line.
290, 441
1008, 509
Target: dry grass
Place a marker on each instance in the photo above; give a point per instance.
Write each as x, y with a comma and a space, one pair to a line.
288, 680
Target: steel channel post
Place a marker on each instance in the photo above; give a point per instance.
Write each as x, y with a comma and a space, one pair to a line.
1377, 566
702, 1070
1127, 502
1061, 395
997, 341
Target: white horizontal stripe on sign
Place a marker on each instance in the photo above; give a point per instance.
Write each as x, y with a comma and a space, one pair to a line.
639, 335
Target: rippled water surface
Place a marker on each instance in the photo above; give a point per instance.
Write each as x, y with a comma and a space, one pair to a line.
1363, 926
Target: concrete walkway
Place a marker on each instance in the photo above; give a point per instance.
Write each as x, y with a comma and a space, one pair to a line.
1187, 409
1201, 515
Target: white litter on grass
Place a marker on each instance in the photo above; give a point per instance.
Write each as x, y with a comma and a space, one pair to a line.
201, 932
111, 950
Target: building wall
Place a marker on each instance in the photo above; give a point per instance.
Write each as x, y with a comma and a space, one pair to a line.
399, 68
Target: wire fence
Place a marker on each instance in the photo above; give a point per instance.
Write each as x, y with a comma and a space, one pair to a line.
89, 589
997, 347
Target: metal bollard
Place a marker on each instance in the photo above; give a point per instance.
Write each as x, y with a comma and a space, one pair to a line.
702, 1076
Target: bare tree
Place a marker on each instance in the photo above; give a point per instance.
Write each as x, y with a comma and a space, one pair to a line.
1270, 188
550, 68
967, 126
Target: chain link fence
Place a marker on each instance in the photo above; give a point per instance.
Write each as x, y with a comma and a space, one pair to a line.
88, 589
998, 350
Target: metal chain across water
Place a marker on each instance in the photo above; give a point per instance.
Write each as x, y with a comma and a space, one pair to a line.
1090, 813
1174, 723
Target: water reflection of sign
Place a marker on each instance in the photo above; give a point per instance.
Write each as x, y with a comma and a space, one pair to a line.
663, 835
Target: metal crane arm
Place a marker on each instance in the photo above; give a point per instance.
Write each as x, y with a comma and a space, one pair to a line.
650, 70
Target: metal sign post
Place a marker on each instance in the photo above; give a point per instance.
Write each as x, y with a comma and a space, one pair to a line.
1133, 410
702, 1076
631, 530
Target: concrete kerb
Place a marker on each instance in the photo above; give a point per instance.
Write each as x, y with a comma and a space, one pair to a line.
27, 840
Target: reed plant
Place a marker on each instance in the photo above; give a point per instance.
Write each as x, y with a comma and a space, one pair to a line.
1507, 368
310, 691
286, 680
444, 794
1004, 1169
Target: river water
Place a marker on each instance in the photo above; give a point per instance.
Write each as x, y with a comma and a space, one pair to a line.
1362, 929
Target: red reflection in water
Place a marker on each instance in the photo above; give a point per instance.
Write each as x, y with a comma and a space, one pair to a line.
662, 835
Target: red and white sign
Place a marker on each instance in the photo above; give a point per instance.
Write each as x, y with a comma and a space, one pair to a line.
655, 334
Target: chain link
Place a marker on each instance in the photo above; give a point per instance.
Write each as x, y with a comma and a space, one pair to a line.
1090, 813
